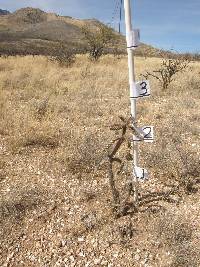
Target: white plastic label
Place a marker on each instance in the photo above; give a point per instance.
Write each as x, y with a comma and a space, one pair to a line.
140, 89
134, 39
140, 173
147, 133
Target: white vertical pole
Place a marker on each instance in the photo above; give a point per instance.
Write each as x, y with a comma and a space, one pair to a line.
128, 22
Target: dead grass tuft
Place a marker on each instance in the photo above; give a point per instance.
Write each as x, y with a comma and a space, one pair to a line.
17, 207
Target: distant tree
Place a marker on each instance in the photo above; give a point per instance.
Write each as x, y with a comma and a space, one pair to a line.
99, 40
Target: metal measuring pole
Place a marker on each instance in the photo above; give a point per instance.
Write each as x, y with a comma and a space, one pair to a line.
128, 22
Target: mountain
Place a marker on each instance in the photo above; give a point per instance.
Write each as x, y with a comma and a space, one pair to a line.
4, 12
33, 31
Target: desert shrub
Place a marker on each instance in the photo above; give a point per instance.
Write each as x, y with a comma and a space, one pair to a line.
192, 56
20, 203
37, 129
36, 135
117, 52
63, 56
86, 154
187, 168
98, 41
168, 70
40, 108
174, 161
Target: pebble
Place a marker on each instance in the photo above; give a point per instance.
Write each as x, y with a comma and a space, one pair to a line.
104, 263
115, 255
97, 261
137, 257
81, 239
81, 254
63, 243
72, 258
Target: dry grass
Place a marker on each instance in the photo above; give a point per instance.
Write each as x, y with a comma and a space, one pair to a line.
55, 202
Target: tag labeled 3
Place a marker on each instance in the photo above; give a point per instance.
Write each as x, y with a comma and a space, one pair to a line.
140, 89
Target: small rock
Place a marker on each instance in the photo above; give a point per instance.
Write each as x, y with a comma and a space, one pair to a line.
104, 263
72, 258
137, 257
115, 255
138, 250
63, 243
151, 257
81, 239
81, 254
97, 261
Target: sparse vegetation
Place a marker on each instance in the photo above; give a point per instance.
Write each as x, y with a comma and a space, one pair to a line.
117, 53
168, 70
63, 56
29, 15
175, 233
55, 201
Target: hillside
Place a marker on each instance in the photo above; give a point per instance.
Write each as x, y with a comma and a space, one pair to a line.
33, 31
4, 12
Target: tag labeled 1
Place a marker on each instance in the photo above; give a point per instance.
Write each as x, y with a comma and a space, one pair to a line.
148, 134
140, 89
140, 173
134, 39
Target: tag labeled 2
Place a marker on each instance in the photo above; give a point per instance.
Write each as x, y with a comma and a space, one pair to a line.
147, 134
134, 39
140, 173
140, 89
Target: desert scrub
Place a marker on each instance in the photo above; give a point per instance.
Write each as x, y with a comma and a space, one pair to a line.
175, 161
175, 235
31, 132
86, 152
59, 120
63, 56
168, 70
32, 124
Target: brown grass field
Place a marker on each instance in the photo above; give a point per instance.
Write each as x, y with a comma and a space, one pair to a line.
55, 199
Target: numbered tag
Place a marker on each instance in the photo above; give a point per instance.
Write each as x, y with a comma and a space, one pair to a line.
134, 39
147, 134
140, 173
140, 89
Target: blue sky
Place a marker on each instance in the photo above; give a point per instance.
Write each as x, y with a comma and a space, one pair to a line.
164, 24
